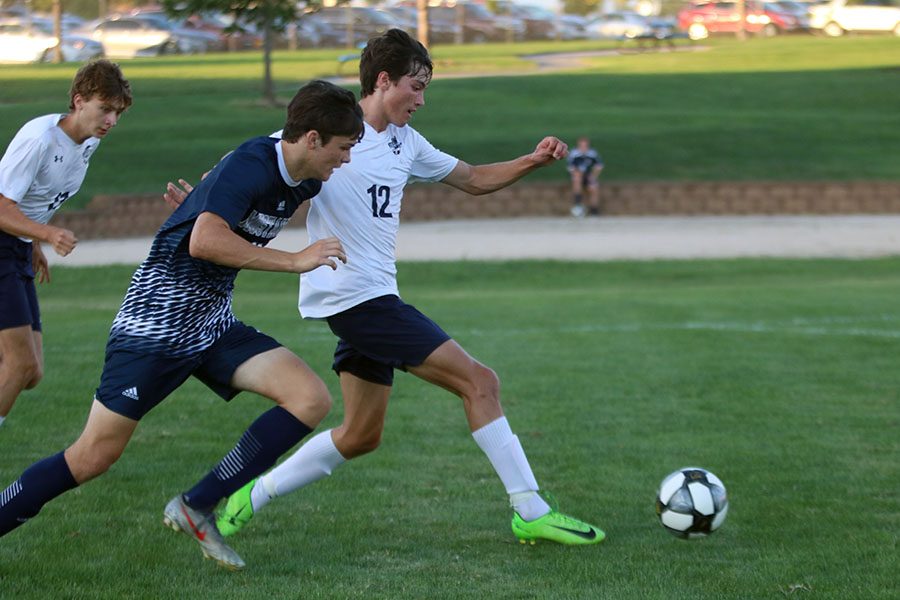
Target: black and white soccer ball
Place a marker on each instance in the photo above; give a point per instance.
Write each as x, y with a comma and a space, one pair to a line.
691, 503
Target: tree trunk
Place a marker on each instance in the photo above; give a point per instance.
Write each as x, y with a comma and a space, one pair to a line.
57, 31
268, 86
422, 22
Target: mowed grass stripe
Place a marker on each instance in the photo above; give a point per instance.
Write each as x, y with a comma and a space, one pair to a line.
801, 427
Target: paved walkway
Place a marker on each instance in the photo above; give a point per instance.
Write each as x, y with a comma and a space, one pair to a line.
602, 239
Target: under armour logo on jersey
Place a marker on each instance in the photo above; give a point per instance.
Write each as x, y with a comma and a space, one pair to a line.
394, 145
57, 158
131, 393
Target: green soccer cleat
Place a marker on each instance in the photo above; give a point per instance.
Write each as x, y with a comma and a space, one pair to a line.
556, 527
237, 512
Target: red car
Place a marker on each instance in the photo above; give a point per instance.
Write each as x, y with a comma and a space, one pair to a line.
700, 19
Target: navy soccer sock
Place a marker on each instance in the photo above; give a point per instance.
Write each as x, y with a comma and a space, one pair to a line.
275, 432
39, 484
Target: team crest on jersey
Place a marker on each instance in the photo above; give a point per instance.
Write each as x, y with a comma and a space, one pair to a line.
262, 226
395, 144
86, 155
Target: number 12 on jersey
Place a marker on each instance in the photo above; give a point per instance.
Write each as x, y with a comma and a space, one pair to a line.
383, 193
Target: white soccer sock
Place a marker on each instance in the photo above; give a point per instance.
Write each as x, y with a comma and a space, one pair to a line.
507, 457
311, 462
2, 419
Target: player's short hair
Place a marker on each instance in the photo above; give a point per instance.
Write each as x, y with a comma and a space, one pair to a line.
396, 53
323, 107
103, 79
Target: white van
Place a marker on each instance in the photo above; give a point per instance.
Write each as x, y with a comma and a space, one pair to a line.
840, 16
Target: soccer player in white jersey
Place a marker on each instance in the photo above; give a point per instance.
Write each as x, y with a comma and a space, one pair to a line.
43, 167
377, 331
176, 320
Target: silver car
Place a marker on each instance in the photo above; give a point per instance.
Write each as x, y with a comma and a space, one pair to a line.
31, 39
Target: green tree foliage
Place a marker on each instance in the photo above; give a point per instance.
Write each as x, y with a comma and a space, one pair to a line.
580, 7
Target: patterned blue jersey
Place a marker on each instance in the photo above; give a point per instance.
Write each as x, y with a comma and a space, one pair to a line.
583, 162
178, 305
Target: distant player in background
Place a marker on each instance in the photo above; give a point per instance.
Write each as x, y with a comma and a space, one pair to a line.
44, 166
377, 331
177, 320
585, 166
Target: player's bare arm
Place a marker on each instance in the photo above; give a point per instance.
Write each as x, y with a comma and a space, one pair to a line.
484, 179
13, 222
213, 240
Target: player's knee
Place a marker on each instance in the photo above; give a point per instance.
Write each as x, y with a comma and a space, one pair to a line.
487, 383
319, 402
87, 465
310, 404
353, 445
34, 376
25, 372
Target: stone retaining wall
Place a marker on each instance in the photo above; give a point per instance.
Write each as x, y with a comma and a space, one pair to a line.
131, 216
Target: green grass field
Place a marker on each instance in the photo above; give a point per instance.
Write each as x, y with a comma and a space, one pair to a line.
780, 376
796, 108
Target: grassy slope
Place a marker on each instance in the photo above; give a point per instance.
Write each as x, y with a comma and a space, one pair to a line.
796, 108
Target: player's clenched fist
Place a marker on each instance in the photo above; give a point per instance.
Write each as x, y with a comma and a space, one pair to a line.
62, 240
550, 149
322, 252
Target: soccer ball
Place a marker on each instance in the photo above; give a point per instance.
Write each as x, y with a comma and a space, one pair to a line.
691, 503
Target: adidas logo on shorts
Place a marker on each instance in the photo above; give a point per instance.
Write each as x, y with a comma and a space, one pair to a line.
131, 393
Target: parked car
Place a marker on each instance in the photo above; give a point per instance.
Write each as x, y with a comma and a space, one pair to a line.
126, 37
315, 32
244, 37
572, 27
364, 22
618, 25
191, 40
147, 34
838, 17
439, 31
800, 10
25, 40
478, 24
700, 19
540, 23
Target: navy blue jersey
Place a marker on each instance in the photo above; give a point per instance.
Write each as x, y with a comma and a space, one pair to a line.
178, 305
583, 162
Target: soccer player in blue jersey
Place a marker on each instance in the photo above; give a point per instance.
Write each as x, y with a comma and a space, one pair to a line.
377, 331
176, 320
44, 165
584, 166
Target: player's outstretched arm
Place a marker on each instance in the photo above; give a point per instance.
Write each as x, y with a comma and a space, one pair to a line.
483, 179
13, 222
213, 240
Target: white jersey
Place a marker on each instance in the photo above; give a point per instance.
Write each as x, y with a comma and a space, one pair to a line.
360, 205
43, 167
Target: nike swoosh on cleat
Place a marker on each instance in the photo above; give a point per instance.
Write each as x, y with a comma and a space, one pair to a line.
588, 535
200, 535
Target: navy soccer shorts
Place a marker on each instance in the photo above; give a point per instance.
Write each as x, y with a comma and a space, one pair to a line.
381, 335
18, 298
134, 382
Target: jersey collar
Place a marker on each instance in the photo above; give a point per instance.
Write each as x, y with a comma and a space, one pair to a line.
282, 168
